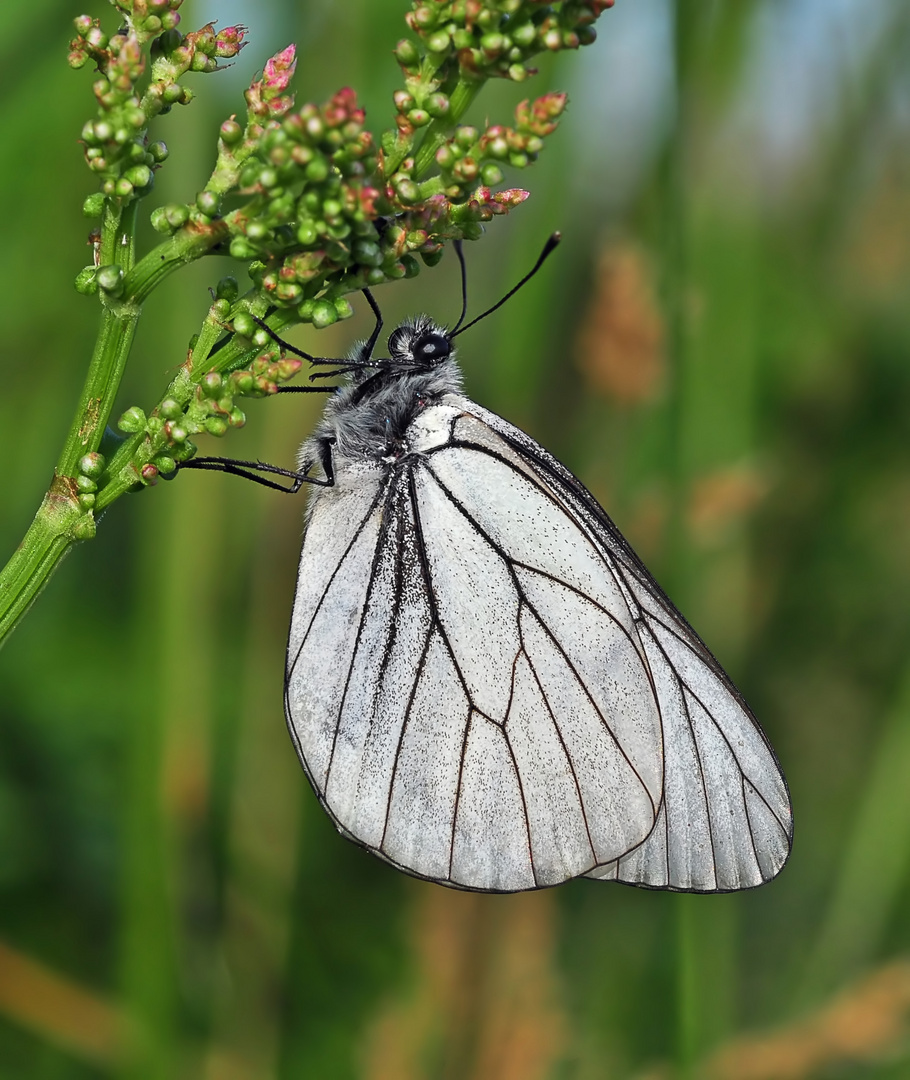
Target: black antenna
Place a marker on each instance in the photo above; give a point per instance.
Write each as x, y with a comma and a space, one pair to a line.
548, 249
464, 286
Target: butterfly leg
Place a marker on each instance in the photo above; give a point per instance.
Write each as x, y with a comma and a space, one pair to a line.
249, 470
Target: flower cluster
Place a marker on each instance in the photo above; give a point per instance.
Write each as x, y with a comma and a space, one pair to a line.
312, 201
470, 155
204, 403
116, 144
303, 196
495, 38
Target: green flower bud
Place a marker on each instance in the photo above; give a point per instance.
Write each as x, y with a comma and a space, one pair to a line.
231, 132
170, 409
227, 289
493, 45
132, 421
175, 432
424, 16
92, 465
257, 230
237, 418
207, 202
411, 266
406, 53
419, 117
177, 215
524, 35
84, 529
437, 105
93, 207
367, 253
305, 311
86, 281
466, 136
407, 191
587, 35
491, 175
149, 473
110, 279
87, 500
518, 72
211, 384
431, 258
324, 314
289, 292
462, 39
123, 189
438, 42
216, 425
85, 485
306, 233
317, 170
343, 308
165, 464
241, 248
244, 324
159, 221
445, 157
158, 152
404, 101
139, 176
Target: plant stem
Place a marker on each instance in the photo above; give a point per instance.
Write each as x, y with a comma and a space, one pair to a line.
55, 527
438, 131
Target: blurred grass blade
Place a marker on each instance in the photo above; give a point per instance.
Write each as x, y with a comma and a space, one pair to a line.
875, 862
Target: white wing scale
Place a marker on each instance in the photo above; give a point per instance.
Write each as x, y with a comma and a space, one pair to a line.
487, 688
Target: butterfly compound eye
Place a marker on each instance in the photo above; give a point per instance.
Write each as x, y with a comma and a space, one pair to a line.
432, 348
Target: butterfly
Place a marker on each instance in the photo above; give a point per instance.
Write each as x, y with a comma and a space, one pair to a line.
485, 685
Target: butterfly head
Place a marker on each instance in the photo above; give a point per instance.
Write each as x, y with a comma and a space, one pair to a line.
419, 344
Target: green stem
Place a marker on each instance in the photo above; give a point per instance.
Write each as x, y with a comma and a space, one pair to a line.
60, 520
437, 131
112, 347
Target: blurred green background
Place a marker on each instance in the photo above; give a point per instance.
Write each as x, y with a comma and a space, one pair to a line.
720, 349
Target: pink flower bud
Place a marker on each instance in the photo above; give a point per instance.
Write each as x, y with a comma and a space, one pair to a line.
279, 71
229, 41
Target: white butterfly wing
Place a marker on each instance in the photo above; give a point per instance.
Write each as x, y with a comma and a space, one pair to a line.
486, 694
725, 820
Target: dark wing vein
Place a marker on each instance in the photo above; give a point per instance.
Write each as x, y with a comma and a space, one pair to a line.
510, 564
377, 555
546, 701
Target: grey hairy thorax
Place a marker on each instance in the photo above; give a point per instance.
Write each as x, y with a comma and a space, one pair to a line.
366, 419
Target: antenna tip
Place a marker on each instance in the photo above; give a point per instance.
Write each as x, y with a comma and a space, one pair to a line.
552, 242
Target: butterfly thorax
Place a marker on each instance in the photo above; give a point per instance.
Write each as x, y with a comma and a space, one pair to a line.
368, 418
